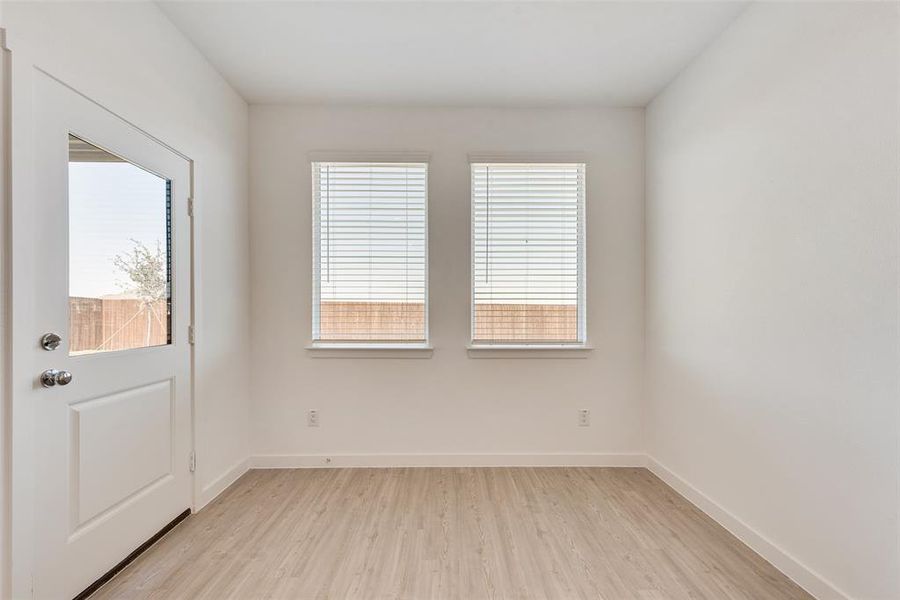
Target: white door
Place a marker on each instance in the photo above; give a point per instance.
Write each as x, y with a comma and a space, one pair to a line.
112, 445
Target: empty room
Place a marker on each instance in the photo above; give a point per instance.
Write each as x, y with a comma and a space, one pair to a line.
449, 300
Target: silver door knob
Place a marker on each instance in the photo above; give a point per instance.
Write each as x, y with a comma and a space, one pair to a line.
52, 377
50, 341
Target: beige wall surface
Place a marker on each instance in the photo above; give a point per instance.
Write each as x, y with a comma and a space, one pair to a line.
772, 287
451, 403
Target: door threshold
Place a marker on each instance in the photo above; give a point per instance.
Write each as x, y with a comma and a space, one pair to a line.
130, 558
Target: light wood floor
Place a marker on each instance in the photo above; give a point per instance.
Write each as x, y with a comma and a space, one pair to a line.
455, 533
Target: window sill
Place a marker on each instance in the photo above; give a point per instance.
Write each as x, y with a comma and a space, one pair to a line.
339, 350
529, 350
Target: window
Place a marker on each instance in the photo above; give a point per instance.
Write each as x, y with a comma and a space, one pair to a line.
528, 253
120, 225
370, 256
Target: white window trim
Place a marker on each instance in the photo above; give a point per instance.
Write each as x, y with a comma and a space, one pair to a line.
367, 350
373, 156
529, 350
325, 349
528, 157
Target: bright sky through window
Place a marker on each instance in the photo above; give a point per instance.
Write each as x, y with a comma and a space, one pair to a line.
110, 204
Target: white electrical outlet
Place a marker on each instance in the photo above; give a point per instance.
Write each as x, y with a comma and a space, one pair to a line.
584, 418
312, 418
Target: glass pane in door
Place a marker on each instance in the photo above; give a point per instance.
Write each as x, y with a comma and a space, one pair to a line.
119, 253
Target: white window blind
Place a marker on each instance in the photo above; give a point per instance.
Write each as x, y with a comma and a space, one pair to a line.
370, 228
528, 253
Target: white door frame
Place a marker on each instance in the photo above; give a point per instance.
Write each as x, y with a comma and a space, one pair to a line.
5, 323
19, 232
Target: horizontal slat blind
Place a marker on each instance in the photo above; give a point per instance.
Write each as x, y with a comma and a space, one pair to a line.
527, 253
370, 251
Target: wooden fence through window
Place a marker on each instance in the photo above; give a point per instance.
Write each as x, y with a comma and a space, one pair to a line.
104, 324
405, 321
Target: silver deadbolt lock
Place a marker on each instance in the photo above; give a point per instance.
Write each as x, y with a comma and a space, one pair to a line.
52, 377
50, 341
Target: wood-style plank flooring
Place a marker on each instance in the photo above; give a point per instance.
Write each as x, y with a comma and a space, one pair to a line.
454, 533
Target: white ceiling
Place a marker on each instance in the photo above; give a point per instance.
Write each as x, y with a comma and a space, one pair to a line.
451, 53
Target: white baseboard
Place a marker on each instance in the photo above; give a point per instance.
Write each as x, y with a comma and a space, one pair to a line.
802, 575
221, 483
299, 461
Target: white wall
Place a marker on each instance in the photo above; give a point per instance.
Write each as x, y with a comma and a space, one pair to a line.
772, 278
5, 330
131, 59
449, 404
